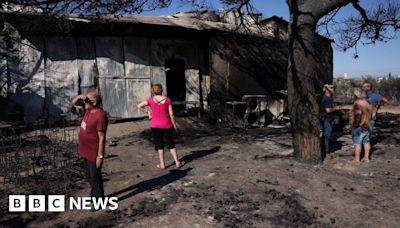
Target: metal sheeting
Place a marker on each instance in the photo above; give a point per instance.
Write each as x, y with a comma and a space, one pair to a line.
143, 58
120, 96
113, 92
192, 85
109, 55
87, 69
26, 67
241, 82
3, 70
120, 92
137, 65
61, 74
3, 77
187, 50
219, 74
138, 90
162, 49
124, 68
159, 77
137, 57
189, 22
206, 90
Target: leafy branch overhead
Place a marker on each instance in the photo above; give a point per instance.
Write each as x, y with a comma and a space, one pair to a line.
96, 7
380, 23
368, 26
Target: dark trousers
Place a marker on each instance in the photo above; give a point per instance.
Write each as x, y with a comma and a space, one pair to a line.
327, 132
371, 128
163, 137
93, 176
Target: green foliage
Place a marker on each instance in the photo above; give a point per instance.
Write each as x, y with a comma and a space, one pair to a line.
390, 88
387, 87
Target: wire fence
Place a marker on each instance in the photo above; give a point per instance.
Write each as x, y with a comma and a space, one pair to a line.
41, 160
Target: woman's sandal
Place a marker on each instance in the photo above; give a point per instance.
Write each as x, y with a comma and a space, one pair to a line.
365, 160
181, 163
160, 167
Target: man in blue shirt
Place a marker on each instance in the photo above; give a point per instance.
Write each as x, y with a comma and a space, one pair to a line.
375, 99
327, 117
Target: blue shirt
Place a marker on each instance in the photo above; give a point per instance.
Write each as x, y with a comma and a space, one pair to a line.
327, 102
374, 98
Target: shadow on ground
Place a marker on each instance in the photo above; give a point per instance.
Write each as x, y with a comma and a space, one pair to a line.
199, 154
150, 185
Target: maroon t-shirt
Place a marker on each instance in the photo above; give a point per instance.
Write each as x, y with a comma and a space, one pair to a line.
88, 138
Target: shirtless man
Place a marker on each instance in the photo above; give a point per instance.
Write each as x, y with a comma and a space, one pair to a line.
360, 121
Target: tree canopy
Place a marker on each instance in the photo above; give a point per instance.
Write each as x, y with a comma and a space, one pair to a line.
366, 26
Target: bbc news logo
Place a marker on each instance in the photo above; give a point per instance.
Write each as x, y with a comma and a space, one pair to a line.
57, 203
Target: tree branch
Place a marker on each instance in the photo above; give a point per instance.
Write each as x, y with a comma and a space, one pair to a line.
320, 8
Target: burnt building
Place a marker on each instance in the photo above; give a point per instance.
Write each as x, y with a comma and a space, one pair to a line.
202, 59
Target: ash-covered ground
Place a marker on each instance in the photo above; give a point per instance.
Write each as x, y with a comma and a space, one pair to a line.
238, 178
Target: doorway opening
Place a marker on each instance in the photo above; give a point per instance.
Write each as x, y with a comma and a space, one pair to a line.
175, 79
176, 83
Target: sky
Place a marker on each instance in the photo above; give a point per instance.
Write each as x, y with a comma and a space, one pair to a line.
377, 60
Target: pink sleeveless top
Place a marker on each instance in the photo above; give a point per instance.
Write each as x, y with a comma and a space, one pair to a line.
160, 114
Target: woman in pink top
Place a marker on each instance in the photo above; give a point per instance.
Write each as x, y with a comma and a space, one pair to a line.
162, 123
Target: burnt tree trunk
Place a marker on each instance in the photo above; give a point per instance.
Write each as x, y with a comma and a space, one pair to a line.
302, 75
302, 101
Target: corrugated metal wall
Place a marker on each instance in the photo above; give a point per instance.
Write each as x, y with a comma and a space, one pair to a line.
54, 69
87, 69
61, 74
26, 84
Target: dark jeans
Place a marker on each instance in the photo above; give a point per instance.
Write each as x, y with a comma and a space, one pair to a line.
327, 132
372, 124
371, 127
93, 175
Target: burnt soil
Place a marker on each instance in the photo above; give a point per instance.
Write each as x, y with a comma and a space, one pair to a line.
237, 178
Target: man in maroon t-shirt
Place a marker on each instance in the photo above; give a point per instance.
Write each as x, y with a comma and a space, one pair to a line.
92, 135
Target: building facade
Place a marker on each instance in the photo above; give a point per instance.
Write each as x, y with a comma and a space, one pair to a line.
201, 59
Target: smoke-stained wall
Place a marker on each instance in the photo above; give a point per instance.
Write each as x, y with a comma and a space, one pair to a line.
26, 78
48, 71
248, 65
46, 67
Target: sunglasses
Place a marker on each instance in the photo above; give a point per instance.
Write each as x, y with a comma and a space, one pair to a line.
87, 101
